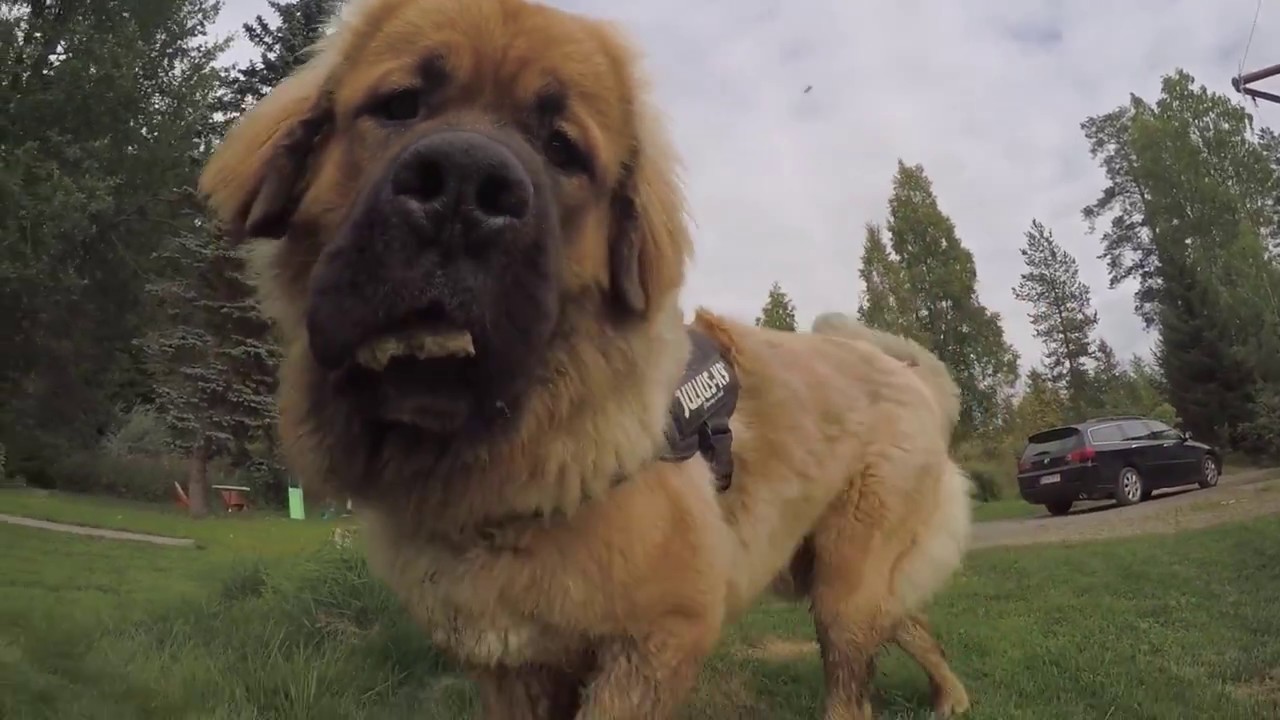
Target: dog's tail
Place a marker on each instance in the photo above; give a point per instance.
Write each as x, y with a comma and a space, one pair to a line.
927, 366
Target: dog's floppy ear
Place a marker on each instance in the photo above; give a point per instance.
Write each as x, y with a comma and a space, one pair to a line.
649, 240
253, 181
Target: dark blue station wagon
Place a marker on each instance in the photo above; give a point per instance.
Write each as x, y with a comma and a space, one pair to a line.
1124, 458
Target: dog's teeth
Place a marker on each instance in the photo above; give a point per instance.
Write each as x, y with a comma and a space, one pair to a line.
458, 344
387, 349
377, 354
367, 356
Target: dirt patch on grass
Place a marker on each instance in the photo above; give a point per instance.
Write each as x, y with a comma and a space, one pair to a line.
1264, 689
780, 649
1239, 496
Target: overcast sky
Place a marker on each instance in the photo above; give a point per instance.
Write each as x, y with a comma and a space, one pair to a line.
987, 94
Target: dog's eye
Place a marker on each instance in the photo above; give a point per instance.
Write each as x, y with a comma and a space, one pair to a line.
399, 106
566, 154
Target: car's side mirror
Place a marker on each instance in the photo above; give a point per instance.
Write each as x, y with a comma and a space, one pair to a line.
1186, 435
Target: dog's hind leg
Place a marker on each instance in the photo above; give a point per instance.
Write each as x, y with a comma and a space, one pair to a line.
851, 584
917, 641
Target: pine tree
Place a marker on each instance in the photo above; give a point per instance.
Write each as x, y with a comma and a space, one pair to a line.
778, 312
282, 47
215, 363
1062, 314
939, 305
218, 396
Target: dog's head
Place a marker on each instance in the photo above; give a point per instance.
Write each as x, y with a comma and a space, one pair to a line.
438, 191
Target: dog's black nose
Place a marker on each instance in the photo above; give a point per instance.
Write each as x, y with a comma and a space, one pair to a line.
460, 177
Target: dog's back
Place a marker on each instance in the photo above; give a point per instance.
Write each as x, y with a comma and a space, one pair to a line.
928, 367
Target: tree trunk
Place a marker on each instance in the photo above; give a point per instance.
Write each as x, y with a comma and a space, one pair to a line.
198, 479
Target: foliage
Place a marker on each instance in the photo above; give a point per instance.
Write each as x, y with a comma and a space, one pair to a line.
779, 312
216, 358
1062, 314
1192, 203
97, 139
884, 302
139, 431
924, 286
282, 47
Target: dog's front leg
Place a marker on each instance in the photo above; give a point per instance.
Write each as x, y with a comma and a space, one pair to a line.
648, 677
527, 693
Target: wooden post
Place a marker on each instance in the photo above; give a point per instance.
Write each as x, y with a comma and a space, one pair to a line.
1241, 83
198, 478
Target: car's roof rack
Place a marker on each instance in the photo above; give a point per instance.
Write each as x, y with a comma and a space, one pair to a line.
1115, 417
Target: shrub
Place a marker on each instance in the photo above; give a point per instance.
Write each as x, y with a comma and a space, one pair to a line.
140, 432
988, 485
133, 477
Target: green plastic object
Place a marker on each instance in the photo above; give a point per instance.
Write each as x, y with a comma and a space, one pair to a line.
296, 509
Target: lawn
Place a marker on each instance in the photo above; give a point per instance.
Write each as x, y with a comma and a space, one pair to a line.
267, 620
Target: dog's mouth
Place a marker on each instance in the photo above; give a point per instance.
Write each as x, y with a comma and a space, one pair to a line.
420, 344
423, 376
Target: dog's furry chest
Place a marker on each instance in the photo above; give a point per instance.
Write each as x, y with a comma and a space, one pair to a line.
475, 606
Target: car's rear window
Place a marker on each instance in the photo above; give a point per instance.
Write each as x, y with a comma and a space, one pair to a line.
1052, 443
1107, 433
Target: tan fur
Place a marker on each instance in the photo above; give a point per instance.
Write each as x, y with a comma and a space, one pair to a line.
931, 370
620, 588
913, 635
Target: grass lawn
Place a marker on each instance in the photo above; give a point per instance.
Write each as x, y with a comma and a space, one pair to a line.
266, 620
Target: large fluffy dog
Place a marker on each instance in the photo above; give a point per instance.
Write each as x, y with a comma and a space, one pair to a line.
474, 245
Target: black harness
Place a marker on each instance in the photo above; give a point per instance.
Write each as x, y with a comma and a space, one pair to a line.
698, 421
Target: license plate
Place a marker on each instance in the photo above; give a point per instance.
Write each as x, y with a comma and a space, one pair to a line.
1050, 479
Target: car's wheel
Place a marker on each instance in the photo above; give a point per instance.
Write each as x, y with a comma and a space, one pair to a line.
1209, 472
1129, 487
1061, 507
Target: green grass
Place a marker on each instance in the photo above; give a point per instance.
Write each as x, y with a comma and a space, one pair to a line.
250, 533
257, 625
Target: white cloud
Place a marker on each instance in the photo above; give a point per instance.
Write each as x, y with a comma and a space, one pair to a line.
987, 94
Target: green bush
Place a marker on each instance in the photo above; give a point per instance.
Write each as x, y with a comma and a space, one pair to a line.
988, 482
140, 432
133, 477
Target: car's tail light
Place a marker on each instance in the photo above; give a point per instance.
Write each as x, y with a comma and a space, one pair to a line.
1023, 466
1081, 456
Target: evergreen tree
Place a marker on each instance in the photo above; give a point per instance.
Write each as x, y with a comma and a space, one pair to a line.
778, 312
939, 305
215, 363
883, 302
221, 358
1062, 314
282, 47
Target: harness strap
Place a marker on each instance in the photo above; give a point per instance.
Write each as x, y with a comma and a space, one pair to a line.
698, 420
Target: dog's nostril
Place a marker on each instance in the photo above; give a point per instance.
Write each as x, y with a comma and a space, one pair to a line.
423, 181
498, 195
